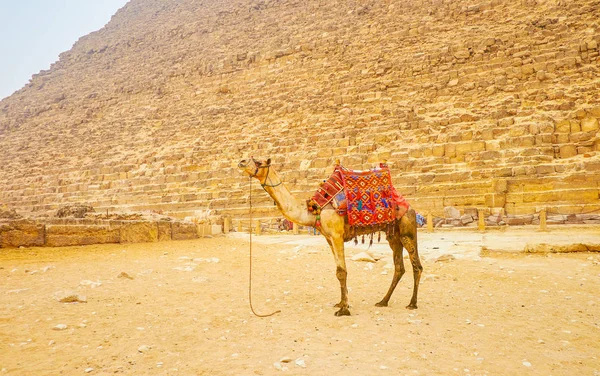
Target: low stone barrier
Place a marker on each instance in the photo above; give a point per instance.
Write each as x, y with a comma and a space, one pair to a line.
71, 231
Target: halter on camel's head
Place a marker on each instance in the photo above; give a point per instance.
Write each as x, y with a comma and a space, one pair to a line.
259, 170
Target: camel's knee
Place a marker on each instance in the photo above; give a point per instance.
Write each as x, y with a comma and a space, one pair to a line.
400, 270
341, 273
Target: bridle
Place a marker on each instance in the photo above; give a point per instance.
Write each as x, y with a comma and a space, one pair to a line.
255, 174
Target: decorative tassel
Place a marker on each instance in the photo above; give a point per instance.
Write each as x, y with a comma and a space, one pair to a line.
355, 240
318, 222
371, 242
363, 239
378, 236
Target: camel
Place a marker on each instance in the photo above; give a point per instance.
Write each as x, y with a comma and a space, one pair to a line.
336, 231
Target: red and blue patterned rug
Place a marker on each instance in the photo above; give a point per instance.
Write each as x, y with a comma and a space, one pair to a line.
366, 197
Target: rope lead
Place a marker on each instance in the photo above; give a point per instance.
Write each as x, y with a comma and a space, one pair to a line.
250, 263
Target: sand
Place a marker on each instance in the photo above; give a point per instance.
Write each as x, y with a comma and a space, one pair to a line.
184, 308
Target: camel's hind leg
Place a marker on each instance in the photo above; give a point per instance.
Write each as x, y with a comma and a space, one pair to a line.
396, 246
408, 237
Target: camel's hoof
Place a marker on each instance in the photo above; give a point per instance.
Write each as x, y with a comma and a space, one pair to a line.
343, 312
411, 306
381, 304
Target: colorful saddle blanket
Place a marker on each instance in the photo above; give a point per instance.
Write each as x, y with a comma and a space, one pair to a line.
366, 197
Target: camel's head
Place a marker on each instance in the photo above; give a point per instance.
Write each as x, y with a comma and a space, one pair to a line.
254, 168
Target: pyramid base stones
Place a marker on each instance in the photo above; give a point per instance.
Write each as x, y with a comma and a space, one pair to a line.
21, 232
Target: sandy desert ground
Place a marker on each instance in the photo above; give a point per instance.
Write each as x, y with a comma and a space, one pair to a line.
181, 308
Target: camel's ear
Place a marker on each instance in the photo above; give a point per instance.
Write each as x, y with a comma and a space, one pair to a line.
269, 162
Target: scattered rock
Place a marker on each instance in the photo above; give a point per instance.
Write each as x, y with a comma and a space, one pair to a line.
430, 277
300, 363
189, 268
60, 327
88, 370
446, 257
91, 284
16, 291
124, 275
70, 297
144, 349
451, 212
363, 256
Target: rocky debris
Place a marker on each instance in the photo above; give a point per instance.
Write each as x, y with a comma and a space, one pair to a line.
70, 297
445, 258
556, 248
124, 275
451, 212
60, 327
363, 256
6, 213
144, 349
75, 211
88, 283
187, 268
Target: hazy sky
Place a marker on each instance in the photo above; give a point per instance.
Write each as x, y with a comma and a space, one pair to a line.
34, 32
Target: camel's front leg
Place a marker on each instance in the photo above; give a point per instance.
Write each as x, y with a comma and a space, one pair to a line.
337, 247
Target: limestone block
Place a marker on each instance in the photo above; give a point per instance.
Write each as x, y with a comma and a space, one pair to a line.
563, 126
544, 169
63, 235
506, 122
501, 186
138, 232
490, 155
543, 139
582, 136
592, 166
321, 163
21, 232
183, 230
438, 150
462, 148
164, 230
451, 212
589, 124
560, 138
568, 151
493, 200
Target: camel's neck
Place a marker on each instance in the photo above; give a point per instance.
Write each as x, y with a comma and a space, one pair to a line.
291, 208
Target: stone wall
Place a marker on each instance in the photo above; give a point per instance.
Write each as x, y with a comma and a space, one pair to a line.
492, 105
73, 231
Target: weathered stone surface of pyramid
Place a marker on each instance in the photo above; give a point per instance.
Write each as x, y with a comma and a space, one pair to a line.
493, 105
